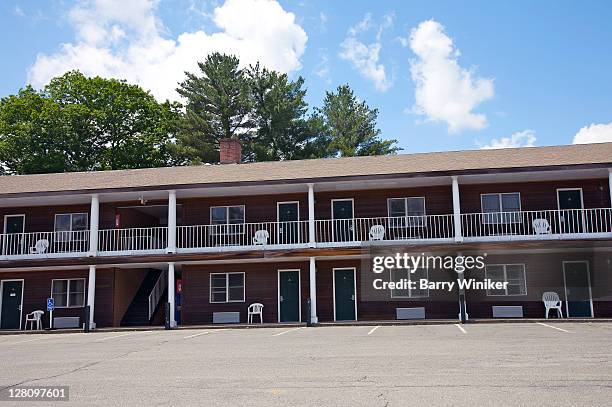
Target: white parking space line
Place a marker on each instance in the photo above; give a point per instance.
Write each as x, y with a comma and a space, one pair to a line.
461, 328
290, 330
31, 340
119, 336
553, 327
196, 335
373, 329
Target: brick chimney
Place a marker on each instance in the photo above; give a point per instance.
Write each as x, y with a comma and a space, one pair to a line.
230, 151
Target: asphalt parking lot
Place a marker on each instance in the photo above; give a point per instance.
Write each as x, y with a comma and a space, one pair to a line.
488, 364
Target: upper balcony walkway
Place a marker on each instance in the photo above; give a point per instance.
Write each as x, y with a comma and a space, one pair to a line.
453, 229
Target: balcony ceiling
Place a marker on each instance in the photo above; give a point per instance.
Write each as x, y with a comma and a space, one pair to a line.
381, 182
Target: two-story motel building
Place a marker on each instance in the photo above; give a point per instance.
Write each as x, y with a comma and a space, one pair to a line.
212, 239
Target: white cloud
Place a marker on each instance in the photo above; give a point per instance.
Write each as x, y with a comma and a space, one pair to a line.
322, 69
388, 21
404, 42
365, 57
445, 92
323, 20
595, 133
525, 138
361, 26
125, 39
18, 11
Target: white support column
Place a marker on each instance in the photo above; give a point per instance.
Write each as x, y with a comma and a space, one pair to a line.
171, 294
313, 291
94, 222
610, 184
91, 295
456, 210
461, 291
311, 217
171, 222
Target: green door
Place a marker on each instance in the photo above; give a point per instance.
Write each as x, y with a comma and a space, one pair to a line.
14, 226
344, 295
570, 210
577, 289
343, 219
289, 295
288, 226
10, 316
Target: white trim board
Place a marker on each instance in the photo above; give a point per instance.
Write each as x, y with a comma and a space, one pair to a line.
226, 273
85, 288
588, 271
570, 189
278, 302
278, 222
2, 295
352, 219
354, 287
14, 215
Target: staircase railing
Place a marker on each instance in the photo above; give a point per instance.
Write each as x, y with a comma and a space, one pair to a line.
156, 293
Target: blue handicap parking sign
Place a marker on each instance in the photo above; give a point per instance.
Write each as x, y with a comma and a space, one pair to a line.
50, 304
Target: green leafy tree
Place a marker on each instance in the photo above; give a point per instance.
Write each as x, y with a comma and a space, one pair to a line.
127, 128
283, 130
79, 124
351, 126
218, 105
39, 136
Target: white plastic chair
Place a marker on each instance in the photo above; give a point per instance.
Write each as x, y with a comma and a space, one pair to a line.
541, 227
261, 237
255, 309
40, 247
377, 232
552, 301
35, 316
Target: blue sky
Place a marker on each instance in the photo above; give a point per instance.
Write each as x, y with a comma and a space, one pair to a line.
444, 75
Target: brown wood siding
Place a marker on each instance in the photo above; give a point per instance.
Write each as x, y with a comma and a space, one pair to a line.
37, 288
439, 305
537, 196
127, 283
544, 272
41, 218
259, 208
367, 203
373, 203
128, 217
261, 285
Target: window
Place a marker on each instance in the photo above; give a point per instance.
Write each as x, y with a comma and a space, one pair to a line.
227, 219
70, 226
68, 293
496, 207
513, 274
411, 211
227, 287
397, 275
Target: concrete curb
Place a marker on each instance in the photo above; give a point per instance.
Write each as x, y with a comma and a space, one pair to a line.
319, 325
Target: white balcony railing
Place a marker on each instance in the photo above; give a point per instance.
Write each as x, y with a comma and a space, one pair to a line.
44, 243
427, 227
242, 235
543, 224
499, 226
133, 239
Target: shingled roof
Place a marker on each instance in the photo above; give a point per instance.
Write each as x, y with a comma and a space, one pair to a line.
448, 162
